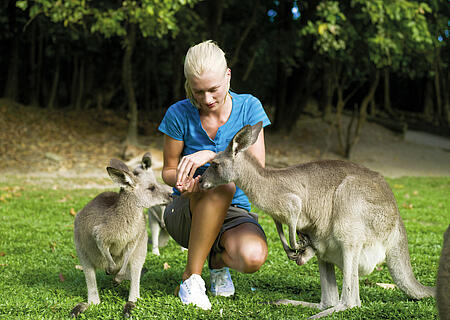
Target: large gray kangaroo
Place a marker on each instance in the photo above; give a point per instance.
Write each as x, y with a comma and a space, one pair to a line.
348, 212
110, 231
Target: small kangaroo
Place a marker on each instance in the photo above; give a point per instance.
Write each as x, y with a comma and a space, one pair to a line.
110, 231
160, 236
348, 213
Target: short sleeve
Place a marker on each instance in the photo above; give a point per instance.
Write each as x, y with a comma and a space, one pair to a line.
173, 123
256, 112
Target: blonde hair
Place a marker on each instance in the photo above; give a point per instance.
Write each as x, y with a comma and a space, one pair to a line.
203, 57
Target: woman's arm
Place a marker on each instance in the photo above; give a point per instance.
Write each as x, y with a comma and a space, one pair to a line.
178, 172
172, 152
258, 149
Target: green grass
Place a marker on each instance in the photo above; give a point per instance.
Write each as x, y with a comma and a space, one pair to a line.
38, 278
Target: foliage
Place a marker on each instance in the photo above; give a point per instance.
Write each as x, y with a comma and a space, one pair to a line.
40, 279
285, 60
155, 18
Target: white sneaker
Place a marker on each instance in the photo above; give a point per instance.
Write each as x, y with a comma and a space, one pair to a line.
221, 283
193, 291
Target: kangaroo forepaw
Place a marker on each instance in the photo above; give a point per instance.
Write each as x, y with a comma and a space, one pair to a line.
111, 269
130, 305
79, 308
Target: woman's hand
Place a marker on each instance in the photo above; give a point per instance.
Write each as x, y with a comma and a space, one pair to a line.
187, 167
190, 187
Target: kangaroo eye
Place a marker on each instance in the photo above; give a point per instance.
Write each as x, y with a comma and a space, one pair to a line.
214, 165
152, 188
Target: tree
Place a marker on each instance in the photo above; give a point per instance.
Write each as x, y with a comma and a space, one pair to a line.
153, 18
360, 41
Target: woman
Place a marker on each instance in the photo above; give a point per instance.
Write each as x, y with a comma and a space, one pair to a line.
214, 223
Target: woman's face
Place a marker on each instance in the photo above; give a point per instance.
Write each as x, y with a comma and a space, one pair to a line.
210, 89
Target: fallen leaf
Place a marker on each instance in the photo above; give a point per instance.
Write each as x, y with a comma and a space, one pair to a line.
53, 246
166, 266
61, 278
387, 286
78, 267
3, 264
73, 255
73, 212
407, 205
2, 254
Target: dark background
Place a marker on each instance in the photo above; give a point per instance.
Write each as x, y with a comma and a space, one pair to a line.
385, 62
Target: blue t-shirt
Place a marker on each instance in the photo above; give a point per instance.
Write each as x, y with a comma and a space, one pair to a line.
182, 122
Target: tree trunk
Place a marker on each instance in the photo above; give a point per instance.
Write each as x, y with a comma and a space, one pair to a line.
127, 78
244, 34
354, 138
279, 122
177, 74
215, 9
437, 86
428, 105
250, 66
446, 98
74, 83
157, 98
296, 89
387, 92
148, 64
54, 89
89, 99
341, 103
12, 80
327, 95
80, 86
283, 26
34, 90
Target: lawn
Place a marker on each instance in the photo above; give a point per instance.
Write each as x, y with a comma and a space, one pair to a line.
39, 278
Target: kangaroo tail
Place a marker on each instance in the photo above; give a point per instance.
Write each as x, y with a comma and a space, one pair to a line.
399, 265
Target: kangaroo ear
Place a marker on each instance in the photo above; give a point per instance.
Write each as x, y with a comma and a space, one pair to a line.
119, 165
244, 138
147, 161
121, 177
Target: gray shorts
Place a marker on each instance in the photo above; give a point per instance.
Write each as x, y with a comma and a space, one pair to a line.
177, 218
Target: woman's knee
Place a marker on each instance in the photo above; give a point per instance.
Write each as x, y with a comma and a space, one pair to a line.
226, 190
253, 256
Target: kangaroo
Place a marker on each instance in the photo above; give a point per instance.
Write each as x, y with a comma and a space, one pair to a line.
110, 231
347, 211
160, 236
443, 279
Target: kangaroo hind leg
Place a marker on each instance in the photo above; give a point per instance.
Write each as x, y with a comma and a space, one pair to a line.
350, 283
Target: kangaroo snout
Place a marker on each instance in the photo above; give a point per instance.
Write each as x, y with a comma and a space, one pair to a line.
205, 184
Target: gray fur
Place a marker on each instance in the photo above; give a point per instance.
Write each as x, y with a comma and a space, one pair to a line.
348, 212
110, 231
443, 279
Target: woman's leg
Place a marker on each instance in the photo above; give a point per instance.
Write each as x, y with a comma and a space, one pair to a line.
208, 213
245, 249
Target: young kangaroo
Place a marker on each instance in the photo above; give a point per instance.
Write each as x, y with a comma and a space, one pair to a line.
348, 212
160, 236
110, 231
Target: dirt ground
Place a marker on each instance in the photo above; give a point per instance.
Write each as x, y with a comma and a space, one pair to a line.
73, 148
